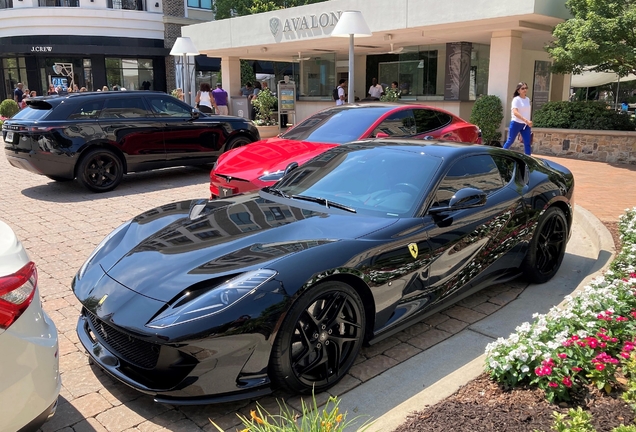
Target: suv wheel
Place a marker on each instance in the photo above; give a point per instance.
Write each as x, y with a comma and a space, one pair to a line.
100, 170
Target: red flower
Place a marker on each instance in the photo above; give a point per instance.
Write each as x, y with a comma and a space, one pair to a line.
600, 366
553, 384
567, 382
624, 355
562, 355
576, 369
621, 318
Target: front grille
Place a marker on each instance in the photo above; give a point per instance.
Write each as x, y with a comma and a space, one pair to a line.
131, 349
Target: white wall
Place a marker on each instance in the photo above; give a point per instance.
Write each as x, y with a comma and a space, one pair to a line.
94, 20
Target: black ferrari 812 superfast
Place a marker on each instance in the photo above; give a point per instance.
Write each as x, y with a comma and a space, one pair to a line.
208, 301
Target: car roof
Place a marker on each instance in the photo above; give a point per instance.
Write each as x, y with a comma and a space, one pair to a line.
56, 99
387, 107
435, 148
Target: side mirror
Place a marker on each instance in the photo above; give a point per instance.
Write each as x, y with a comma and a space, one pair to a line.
195, 113
463, 199
382, 135
428, 137
292, 166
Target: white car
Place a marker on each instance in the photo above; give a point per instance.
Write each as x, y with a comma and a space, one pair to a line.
29, 359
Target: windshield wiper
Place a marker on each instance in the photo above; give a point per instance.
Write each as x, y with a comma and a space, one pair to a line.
275, 191
325, 202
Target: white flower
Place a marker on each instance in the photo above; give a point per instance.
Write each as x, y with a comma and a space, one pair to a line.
525, 368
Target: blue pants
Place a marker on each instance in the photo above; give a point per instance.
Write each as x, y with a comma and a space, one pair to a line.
515, 129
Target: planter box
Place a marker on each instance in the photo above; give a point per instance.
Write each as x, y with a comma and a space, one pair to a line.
604, 146
268, 131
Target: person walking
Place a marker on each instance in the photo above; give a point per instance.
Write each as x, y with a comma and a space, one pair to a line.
254, 95
520, 122
204, 100
220, 97
341, 92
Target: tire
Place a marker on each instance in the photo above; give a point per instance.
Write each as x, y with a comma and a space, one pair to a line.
236, 142
547, 247
100, 170
59, 179
319, 339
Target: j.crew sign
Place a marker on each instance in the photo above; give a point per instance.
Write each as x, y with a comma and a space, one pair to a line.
41, 48
304, 22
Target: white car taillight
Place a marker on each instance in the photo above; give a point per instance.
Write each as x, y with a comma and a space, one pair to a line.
16, 294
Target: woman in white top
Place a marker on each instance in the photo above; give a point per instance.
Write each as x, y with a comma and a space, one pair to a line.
520, 122
204, 99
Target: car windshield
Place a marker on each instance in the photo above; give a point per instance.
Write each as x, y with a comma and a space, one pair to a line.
336, 126
377, 181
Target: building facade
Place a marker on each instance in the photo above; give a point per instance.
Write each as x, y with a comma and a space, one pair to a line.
440, 54
92, 43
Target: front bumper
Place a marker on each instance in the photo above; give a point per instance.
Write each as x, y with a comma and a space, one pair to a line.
208, 370
222, 187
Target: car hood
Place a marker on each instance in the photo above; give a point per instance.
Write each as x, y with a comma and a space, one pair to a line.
251, 161
225, 239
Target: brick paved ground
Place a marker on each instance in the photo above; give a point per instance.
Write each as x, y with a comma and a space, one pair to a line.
61, 223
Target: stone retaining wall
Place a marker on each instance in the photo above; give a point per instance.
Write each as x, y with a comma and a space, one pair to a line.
605, 146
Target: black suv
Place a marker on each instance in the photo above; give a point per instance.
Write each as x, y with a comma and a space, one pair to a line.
99, 136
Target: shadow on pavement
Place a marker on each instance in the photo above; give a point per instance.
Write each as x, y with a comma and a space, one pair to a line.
132, 184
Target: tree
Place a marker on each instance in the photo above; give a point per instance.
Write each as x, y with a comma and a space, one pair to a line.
229, 8
600, 36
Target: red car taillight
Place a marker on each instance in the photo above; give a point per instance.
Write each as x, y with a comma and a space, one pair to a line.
16, 294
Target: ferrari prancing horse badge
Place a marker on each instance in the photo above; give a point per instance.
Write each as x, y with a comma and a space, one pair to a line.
413, 249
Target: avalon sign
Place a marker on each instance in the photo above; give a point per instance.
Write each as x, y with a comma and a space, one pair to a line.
41, 48
307, 22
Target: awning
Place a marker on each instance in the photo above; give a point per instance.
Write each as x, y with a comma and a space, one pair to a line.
593, 79
208, 64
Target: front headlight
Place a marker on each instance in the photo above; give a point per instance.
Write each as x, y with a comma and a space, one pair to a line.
99, 248
191, 306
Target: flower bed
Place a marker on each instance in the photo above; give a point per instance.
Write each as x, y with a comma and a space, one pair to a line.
583, 342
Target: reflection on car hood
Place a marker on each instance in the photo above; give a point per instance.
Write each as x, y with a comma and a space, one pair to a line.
228, 238
251, 161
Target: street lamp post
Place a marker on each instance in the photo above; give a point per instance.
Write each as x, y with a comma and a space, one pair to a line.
184, 47
350, 24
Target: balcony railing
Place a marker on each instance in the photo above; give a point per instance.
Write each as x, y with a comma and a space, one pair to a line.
126, 4
6, 4
58, 3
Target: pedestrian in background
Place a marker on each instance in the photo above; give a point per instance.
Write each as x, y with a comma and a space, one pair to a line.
204, 100
18, 94
220, 98
341, 92
520, 122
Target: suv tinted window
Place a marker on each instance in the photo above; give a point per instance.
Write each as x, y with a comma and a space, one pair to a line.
122, 108
87, 110
399, 124
478, 172
167, 106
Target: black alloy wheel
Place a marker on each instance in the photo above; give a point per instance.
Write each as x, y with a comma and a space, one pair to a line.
100, 170
319, 339
237, 142
547, 247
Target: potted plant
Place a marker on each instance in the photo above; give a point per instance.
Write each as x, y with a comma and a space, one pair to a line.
266, 121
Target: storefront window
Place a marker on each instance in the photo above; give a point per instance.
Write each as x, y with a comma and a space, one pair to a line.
6, 4
318, 75
14, 71
479, 69
88, 74
132, 74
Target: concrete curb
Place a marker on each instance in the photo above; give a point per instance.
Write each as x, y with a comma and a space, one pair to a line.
445, 387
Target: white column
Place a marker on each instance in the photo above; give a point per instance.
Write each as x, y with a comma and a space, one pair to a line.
560, 87
504, 71
231, 78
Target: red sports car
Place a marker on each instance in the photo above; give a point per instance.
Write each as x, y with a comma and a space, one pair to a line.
263, 163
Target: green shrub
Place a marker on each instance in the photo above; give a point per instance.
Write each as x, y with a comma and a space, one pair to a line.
8, 108
581, 115
265, 103
488, 114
